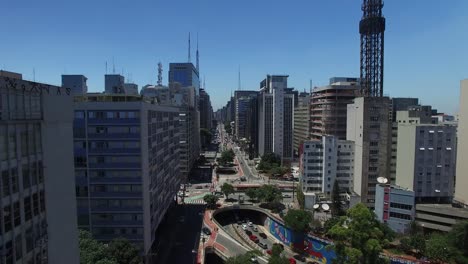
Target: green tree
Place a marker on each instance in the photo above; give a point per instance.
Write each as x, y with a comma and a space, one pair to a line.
278, 260
210, 200
337, 209
123, 252
298, 220
252, 193
300, 196
268, 162
458, 237
227, 189
276, 250
438, 248
92, 251
227, 127
330, 223
269, 194
227, 156
358, 237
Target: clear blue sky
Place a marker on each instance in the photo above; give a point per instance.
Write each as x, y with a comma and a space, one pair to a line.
426, 42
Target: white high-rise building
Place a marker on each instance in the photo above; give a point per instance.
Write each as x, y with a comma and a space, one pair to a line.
38, 206
461, 194
324, 161
276, 115
369, 126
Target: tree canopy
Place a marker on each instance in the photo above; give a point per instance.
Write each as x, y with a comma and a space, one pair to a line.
268, 162
300, 196
243, 259
227, 189
210, 200
252, 193
298, 220
358, 237
118, 251
227, 156
269, 193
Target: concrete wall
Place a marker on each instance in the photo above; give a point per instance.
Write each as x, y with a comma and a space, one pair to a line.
461, 194
406, 156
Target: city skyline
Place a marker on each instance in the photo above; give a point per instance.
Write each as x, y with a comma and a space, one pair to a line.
316, 41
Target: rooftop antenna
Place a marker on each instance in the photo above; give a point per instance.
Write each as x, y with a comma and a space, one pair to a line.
160, 74
198, 64
34, 74
239, 81
106, 67
310, 86
189, 59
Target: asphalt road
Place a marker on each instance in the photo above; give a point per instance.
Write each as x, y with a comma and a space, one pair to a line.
180, 237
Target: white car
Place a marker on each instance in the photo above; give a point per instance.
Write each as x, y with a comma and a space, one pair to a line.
250, 224
244, 227
255, 229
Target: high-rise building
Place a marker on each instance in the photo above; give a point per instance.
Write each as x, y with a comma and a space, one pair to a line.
131, 88
242, 103
206, 111
252, 127
184, 73
77, 83
369, 127
184, 98
426, 160
126, 166
114, 84
301, 121
461, 195
38, 206
328, 107
402, 104
325, 161
275, 117
394, 206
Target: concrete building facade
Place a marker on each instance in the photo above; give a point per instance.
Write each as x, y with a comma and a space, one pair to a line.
394, 206
426, 161
242, 104
114, 84
301, 121
126, 166
369, 127
276, 115
325, 161
38, 207
77, 83
131, 88
328, 107
461, 195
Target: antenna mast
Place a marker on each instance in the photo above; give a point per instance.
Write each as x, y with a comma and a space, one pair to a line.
189, 59
239, 81
198, 65
160, 74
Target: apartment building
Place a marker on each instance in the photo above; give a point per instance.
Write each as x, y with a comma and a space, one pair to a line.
38, 206
395, 206
126, 165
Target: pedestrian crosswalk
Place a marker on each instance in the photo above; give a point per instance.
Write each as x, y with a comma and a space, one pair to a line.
196, 201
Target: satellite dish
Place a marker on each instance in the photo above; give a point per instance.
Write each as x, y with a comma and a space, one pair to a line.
325, 207
316, 206
382, 180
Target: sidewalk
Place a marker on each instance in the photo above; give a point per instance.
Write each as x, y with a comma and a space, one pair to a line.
211, 242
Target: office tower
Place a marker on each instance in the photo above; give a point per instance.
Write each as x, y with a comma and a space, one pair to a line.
184, 73
371, 28
461, 195
369, 127
77, 83
402, 104
394, 206
276, 114
184, 98
242, 103
38, 206
131, 88
328, 106
252, 127
426, 159
301, 121
114, 84
324, 161
206, 111
126, 166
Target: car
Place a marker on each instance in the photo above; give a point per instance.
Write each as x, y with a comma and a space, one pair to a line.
269, 252
243, 179
287, 195
248, 232
255, 229
254, 238
250, 224
206, 230
254, 259
262, 245
292, 261
300, 257
199, 187
262, 235
244, 227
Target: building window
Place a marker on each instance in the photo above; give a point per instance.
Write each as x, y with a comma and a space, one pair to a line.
7, 218
79, 115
